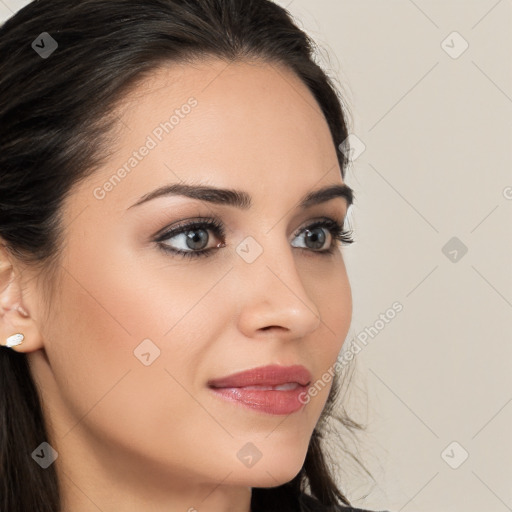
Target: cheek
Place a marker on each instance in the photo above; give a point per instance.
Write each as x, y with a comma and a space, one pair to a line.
104, 385
103, 313
119, 311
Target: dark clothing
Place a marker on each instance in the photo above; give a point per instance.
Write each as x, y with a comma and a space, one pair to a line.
263, 501
310, 504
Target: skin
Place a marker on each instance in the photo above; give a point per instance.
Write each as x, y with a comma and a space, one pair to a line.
133, 437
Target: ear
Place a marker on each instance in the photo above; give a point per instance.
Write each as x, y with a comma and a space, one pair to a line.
15, 317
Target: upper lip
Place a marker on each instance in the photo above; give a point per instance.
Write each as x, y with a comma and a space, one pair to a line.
273, 375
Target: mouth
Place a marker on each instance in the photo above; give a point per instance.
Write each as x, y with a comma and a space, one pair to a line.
271, 390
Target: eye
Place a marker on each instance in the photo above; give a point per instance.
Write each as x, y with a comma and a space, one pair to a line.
193, 237
315, 235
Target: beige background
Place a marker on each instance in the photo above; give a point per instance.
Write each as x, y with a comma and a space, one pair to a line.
436, 125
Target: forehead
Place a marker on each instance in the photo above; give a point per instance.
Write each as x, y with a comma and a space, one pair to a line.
232, 124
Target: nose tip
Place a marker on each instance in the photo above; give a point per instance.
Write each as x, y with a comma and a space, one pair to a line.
280, 304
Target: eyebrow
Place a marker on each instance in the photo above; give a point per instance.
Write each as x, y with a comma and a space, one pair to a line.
240, 199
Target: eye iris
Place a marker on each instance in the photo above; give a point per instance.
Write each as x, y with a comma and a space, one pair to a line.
317, 236
193, 239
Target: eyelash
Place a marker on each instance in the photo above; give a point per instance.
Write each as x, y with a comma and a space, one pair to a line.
336, 230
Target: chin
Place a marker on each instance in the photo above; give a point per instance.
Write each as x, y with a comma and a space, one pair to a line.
277, 470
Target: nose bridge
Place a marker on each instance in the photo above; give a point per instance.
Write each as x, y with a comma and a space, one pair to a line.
274, 294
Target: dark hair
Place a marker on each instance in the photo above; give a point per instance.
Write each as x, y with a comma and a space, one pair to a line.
56, 115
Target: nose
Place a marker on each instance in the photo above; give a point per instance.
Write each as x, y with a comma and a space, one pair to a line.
272, 297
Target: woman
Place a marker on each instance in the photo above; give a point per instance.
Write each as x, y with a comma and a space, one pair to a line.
173, 294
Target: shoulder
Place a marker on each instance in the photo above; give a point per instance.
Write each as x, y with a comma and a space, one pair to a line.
310, 504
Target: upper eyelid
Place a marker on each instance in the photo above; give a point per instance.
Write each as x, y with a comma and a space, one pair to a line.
206, 223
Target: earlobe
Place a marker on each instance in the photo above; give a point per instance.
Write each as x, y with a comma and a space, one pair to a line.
17, 327
15, 340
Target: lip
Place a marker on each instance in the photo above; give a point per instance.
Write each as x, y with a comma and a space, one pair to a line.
238, 388
272, 375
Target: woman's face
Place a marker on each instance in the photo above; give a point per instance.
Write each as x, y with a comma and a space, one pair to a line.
135, 333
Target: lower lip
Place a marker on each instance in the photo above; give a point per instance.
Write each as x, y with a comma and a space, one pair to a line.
268, 401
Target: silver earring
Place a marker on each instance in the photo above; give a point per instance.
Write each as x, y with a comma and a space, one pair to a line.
14, 340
